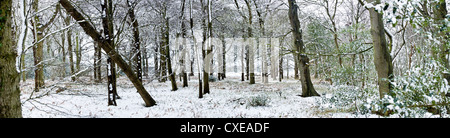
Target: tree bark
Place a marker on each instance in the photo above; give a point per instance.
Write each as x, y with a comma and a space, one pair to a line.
98, 63
70, 49
184, 48
108, 30
38, 32
78, 52
136, 42
92, 32
10, 106
307, 86
382, 58
250, 51
163, 57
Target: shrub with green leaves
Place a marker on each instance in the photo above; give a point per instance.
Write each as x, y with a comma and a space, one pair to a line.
418, 93
346, 99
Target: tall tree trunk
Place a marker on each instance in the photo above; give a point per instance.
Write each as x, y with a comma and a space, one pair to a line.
78, 52
165, 50
157, 60
96, 36
10, 106
38, 32
95, 62
136, 43
184, 48
307, 87
264, 48
169, 66
107, 21
70, 49
206, 48
224, 52
195, 47
163, 56
382, 58
250, 51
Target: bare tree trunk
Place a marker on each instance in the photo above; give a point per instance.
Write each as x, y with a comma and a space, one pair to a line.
10, 106
195, 47
163, 56
157, 60
98, 63
165, 50
224, 63
108, 30
307, 87
183, 53
91, 31
78, 52
206, 48
136, 43
250, 52
95, 62
70, 49
38, 32
381, 55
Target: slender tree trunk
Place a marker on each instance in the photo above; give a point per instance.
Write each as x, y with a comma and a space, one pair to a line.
156, 56
307, 87
183, 53
206, 48
195, 47
70, 49
38, 32
224, 52
250, 52
108, 30
136, 42
23, 36
98, 63
163, 56
78, 52
95, 62
382, 57
296, 68
166, 51
10, 105
91, 31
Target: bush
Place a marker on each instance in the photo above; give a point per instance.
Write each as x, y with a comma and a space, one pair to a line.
212, 78
346, 99
259, 100
418, 93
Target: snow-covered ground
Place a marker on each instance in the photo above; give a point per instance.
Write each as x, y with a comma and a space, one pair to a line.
229, 98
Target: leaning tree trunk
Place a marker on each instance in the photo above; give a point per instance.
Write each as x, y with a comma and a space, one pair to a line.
96, 36
307, 86
382, 58
10, 106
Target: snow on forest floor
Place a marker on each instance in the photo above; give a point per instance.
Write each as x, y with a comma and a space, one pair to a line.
229, 98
